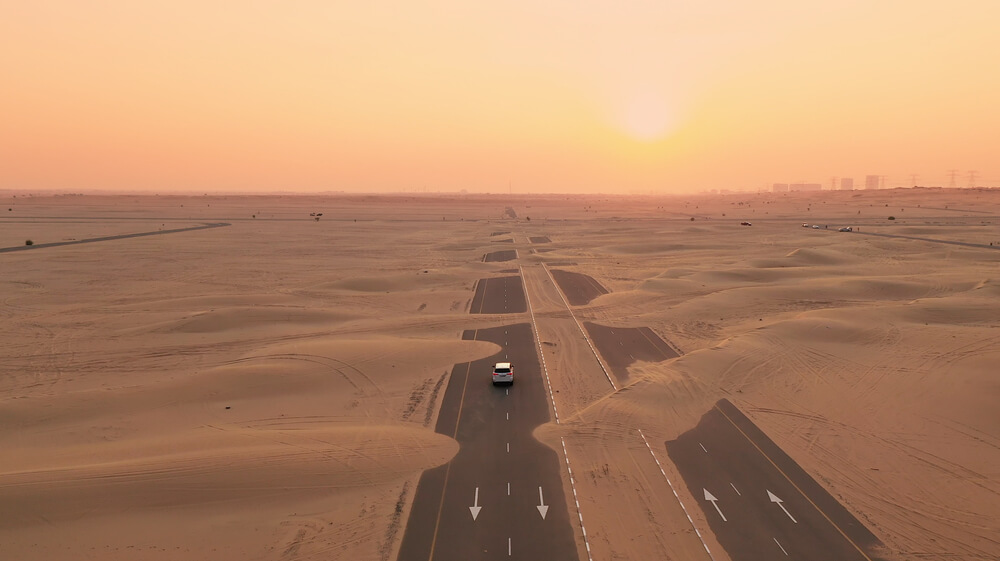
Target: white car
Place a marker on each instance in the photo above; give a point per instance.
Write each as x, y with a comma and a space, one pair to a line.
503, 373
815, 226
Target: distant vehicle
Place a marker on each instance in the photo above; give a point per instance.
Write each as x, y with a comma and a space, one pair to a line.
846, 229
815, 226
503, 373
804, 225
745, 223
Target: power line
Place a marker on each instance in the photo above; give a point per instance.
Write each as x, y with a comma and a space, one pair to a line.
952, 174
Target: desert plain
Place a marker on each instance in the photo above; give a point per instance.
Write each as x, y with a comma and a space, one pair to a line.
267, 389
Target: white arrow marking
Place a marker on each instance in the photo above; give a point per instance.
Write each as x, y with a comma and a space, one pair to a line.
774, 499
711, 498
475, 508
542, 507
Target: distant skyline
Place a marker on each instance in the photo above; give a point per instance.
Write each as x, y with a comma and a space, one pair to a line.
542, 96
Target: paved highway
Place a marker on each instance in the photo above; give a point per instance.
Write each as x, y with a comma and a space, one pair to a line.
501, 497
759, 503
502, 255
622, 346
110, 238
579, 289
499, 295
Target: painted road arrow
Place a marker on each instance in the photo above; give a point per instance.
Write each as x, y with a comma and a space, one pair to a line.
711, 498
475, 508
774, 499
542, 507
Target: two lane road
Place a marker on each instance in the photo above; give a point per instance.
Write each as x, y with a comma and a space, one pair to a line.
501, 497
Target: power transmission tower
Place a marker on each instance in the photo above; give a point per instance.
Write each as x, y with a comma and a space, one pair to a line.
882, 179
833, 182
913, 180
972, 177
952, 174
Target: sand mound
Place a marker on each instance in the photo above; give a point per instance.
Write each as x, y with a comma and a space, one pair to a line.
803, 257
217, 301
751, 275
653, 248
402, 282
669, 286
952, 311
230, 319
232, 464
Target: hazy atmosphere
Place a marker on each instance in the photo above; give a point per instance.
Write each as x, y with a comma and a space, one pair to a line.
525, 96
522, 281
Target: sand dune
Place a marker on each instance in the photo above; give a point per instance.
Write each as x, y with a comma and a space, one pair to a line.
269, 390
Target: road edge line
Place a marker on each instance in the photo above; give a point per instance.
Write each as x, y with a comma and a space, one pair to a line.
579, 513
789, 479
538, 345
676, 496
580, 327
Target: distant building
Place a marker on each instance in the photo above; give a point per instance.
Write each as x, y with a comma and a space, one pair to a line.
846, 183
871, 181
805, 187
780, 188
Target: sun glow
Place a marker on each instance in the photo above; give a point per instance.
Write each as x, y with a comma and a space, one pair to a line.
647, 117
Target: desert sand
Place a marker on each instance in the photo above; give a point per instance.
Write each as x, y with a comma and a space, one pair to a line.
268, 389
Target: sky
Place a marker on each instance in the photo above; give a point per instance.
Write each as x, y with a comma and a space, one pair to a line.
583, 96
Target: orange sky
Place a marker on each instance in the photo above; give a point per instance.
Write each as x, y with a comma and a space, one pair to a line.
553, 96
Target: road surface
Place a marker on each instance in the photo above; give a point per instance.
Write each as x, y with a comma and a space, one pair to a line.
503, 255
499, 295
111, 238
759, 503
579, 289
501, 497
622, 346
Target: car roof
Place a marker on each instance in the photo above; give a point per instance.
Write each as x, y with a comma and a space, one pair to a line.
503, 365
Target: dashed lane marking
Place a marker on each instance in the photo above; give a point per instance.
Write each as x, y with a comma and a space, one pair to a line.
797, 488
580, 327
541, 353
576, 500
676, 496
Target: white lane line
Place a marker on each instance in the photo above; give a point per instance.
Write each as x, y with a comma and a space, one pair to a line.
508, 415
580, 327
508, 488
509, 547
572, 483
541, 353
703, 447
779, 545
508, 447
508, 391
735, 489
676, 496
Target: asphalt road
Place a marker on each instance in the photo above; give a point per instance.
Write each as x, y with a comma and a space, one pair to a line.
622, 346
932, 240
502, 255
499, 295
579, 289
484, 503
759, 503
110, 238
